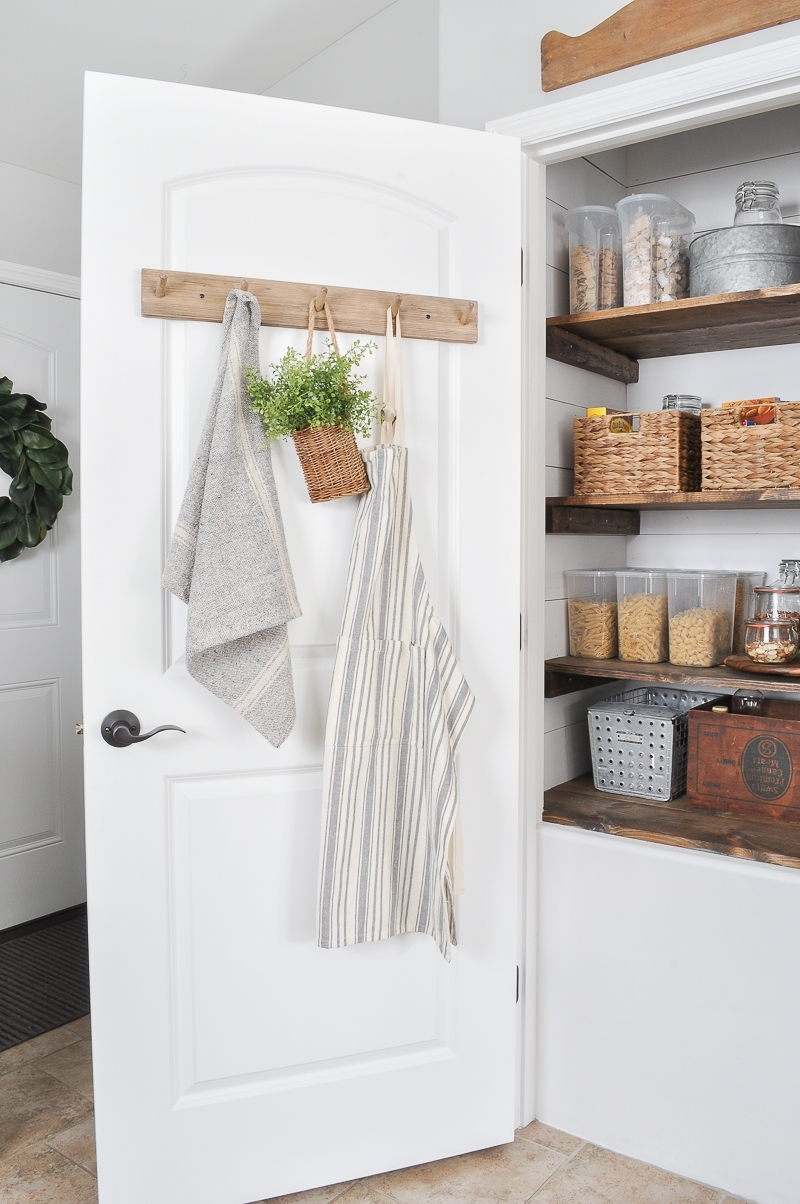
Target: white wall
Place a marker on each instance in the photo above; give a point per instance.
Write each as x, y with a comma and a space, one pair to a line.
40, 220
667, 1001
669, 997
389, 64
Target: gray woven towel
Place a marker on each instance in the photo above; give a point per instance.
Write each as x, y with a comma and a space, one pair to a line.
228, 558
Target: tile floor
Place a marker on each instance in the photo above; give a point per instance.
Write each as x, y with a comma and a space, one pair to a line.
47, 1151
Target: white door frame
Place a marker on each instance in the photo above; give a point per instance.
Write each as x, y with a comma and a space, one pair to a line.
41, 280
705, 92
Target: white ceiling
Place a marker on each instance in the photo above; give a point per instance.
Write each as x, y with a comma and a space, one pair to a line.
241, 45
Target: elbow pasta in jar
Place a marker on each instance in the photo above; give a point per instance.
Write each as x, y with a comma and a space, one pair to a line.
642, 616
701, 607
592, 606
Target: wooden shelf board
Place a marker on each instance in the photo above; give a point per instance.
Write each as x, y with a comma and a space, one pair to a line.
566, 674
725, 322
710, 499
577, 804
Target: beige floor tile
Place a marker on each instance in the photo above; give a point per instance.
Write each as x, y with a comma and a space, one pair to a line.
77, 1144
33, 1104
554, 1139
82, 1027
507, 1173
365, 1192
71, 1065
597, 1176
37, 1047
317, 1195
39, 1175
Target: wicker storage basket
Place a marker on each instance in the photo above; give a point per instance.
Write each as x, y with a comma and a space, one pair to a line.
663, 456
331, 462
751, 457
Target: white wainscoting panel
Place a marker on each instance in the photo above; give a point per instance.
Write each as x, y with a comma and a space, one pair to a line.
30, 753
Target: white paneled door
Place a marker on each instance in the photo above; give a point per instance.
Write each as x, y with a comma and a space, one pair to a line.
234, 1059
41, 788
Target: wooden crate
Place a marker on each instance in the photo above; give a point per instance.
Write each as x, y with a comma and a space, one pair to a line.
751, 457
663, 456
746, 764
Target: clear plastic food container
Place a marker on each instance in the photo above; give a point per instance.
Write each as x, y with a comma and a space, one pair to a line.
745, 608
701, 609
592, 602
642, 617
656, 233
595, 275
771, 641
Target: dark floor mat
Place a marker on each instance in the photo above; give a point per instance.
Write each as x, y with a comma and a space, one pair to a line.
44, 980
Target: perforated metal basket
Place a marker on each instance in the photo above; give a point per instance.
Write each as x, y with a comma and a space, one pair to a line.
638, 741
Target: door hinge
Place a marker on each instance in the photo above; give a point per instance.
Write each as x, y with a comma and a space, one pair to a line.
522, 265
517, 999
520, 633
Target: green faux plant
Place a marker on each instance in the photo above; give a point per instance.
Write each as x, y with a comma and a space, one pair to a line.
38, 465
322, 391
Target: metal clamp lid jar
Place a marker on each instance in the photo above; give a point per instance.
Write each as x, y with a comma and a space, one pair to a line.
758, 203
687, 402
771, 641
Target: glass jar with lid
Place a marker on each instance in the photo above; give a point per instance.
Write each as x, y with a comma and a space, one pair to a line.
758, 203
780, 599
771, 641
789, 572
688, 403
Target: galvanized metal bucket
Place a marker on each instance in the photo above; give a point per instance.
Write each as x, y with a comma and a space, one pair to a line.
741, 258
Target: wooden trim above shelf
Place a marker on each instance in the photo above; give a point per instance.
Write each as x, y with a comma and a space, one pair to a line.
710, 499
726, 322
566, 674
577, 804
200, 297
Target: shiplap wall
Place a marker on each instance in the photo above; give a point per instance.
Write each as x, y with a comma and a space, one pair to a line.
701, 169
569, 392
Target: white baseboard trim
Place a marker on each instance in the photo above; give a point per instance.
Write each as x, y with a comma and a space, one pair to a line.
40, 279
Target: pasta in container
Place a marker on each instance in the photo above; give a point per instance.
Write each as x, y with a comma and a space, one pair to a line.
592, 606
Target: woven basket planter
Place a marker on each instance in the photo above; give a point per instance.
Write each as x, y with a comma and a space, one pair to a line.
751, 457
663, 456
332, 464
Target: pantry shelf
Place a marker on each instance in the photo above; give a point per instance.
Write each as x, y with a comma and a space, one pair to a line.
566, 674
726, 322
593, 515
577, 804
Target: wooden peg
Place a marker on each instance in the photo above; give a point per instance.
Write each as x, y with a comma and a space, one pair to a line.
161, 288
465, 315
398, 301
245, 286
319, 300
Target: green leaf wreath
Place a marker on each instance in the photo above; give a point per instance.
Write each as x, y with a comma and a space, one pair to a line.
37, 463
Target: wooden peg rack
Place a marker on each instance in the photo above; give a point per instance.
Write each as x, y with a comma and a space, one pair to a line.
201, 298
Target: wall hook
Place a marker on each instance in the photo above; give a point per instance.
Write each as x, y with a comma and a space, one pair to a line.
245, 286
161, 287
319, 300
398, 301
465, 315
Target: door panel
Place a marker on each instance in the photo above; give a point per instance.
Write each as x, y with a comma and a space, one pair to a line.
41, 817
237, 1059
